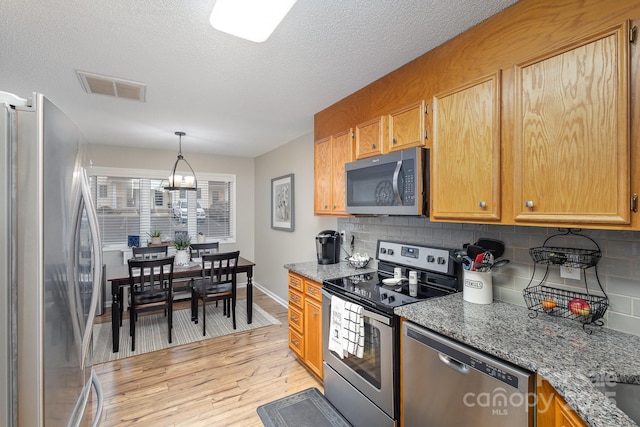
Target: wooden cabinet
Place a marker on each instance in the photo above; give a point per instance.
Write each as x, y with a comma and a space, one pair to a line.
552, 410
370, 138
305, 321
406, 127
330, 155
465, 173
313, 327
572, 133
296, 316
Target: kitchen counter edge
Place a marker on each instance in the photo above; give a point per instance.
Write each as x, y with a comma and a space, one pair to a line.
558, 349
320, 273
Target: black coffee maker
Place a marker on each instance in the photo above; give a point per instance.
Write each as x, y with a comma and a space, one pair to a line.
328, 247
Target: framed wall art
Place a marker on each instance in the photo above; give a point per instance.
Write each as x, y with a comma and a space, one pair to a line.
282, 203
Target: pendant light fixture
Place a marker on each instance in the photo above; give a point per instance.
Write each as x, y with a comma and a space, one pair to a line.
177, 181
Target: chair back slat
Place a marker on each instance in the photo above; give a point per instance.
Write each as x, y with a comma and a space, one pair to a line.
150, 252
197, 250
221, 267
154, 273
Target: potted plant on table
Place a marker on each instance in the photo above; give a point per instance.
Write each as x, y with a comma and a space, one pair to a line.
182, 244
156, 237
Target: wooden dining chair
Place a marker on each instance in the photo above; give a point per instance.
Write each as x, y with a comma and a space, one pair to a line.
147, 252
150, 252
151, 289
218, 283
199, 249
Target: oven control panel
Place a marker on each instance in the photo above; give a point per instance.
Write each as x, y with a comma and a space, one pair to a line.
422, 257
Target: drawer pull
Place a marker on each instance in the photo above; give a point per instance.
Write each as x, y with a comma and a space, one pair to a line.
294, 319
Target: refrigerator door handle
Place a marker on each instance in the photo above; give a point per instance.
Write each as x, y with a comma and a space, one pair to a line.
99, 396
92, 218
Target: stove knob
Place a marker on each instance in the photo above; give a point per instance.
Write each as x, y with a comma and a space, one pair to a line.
430, 258
392, 299
390, 251
441, 260
383, 296
383, 251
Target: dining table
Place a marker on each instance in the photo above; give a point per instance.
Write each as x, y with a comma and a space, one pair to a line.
119, 277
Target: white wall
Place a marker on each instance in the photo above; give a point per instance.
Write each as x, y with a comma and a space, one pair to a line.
274, 248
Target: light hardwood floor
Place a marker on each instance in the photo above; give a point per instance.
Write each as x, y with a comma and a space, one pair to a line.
217, 382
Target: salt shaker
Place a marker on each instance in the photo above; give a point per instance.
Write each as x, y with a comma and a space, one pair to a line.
413, 283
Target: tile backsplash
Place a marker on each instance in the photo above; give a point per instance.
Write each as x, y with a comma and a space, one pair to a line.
618, 269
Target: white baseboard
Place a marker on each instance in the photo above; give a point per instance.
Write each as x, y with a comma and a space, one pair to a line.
271, 295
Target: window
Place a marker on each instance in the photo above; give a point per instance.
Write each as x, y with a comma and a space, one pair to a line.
103, 191
136, 203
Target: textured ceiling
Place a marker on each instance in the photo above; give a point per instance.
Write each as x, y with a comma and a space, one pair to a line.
231, 96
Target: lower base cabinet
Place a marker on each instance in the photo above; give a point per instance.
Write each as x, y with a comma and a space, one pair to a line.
552, 410
305, 322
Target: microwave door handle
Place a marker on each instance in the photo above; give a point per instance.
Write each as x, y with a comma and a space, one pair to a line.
396, 176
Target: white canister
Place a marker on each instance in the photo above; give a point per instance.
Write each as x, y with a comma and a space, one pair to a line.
397, 273
477, 287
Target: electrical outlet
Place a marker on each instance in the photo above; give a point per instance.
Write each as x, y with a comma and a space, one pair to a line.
343, 235
569, 272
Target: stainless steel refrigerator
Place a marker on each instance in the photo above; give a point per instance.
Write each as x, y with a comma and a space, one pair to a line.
50, 260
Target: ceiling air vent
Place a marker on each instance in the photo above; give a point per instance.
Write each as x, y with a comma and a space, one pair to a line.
112, 86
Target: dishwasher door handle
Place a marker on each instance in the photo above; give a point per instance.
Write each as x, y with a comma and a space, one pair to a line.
454, 364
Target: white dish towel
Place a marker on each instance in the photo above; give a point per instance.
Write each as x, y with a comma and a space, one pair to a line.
335, 326
353, 329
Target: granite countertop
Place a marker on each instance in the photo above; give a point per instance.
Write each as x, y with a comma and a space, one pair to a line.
556, 348
319, 273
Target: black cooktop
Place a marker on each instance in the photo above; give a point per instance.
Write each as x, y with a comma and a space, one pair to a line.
368, 289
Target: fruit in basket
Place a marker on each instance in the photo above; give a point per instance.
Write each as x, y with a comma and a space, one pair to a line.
549, 303
579, 306
557, 258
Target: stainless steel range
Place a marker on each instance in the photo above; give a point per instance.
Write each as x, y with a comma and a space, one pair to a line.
366, 389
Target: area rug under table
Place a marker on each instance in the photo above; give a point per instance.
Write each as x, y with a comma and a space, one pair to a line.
307, 408
151, 330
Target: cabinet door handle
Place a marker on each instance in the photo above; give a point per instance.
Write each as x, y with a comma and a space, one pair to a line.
528, 204
394, 140
373, 146
482, 205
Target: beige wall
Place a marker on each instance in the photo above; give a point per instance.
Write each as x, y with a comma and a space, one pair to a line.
275, 248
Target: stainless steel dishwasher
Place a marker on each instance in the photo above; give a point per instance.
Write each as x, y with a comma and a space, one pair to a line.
446, 383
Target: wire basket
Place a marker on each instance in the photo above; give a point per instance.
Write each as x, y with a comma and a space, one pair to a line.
358, 262
568, 257
556, 302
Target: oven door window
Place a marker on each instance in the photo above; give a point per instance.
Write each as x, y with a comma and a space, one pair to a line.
369, 367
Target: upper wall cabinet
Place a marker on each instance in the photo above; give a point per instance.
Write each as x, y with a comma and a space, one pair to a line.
465, 172
370, 138
406, 127
330, 156
571, 134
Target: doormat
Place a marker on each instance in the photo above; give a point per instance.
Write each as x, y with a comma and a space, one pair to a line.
307, 408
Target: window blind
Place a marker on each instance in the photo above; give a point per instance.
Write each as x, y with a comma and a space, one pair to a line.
140, 205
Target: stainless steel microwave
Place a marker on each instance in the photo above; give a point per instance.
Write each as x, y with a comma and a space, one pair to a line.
390, 184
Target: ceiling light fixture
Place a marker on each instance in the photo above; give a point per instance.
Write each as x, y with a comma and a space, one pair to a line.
253, 20
178, 181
